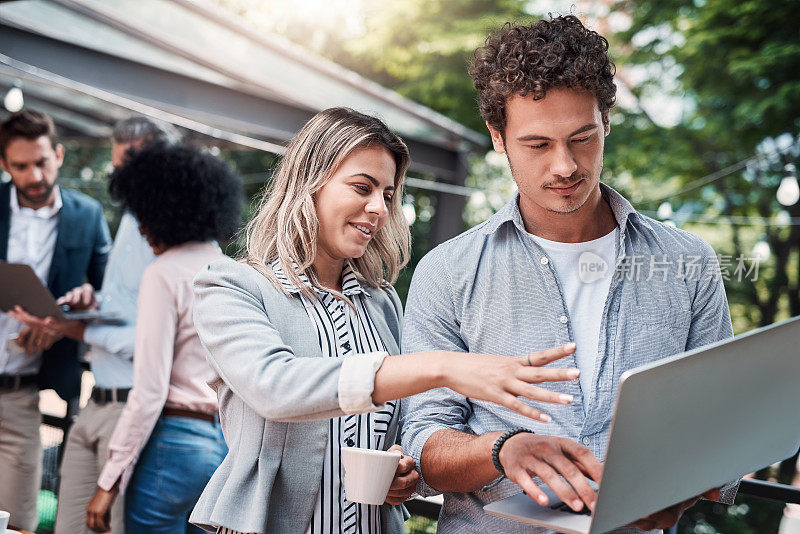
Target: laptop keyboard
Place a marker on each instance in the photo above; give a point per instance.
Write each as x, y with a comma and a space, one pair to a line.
563, 507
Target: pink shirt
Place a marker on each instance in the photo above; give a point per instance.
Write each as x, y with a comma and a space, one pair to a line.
169, 365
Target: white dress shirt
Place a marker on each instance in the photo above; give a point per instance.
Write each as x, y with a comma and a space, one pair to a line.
31, 240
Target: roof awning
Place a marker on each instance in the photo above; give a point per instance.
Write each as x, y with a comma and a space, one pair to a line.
90, 62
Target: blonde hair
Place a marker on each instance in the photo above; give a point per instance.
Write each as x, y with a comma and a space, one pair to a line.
285, 226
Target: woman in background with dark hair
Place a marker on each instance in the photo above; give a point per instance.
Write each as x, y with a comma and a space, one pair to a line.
168, 440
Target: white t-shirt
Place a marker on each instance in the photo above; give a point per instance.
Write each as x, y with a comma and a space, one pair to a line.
584, 271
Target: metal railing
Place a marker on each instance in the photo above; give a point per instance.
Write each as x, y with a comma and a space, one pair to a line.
417, 507
54, 433
748, 486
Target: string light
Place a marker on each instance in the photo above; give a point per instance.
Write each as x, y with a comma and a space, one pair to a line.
761, 250
14, 100
410, 213
664, 211
789, 191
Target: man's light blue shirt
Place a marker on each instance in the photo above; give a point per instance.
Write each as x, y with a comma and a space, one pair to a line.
494, 290
111, 352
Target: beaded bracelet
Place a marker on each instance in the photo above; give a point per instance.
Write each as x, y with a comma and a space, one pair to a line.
499, 443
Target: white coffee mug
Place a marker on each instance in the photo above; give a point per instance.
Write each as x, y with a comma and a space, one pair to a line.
368, 474
4, 516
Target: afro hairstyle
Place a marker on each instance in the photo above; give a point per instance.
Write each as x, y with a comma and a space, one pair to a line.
179, 194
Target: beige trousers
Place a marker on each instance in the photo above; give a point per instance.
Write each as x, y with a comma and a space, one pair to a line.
20, 455
85, 454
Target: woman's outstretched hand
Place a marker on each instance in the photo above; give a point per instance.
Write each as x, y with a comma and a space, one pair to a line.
501, 379
498, 379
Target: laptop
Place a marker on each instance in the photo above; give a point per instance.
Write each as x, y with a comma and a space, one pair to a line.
19, 285
686, 424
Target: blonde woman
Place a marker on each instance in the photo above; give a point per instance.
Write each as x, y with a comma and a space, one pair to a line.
299, 333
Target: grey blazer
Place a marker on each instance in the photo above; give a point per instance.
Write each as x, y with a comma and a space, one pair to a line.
275, 394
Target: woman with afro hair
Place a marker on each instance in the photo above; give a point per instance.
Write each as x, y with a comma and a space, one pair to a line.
168, 440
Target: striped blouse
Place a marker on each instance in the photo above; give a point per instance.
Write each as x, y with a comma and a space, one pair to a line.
343, 331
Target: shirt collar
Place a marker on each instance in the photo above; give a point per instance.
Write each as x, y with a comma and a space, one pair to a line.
45, 212
620, 206
350, 284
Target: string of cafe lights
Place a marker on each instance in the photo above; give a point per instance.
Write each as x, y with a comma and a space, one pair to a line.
788, 192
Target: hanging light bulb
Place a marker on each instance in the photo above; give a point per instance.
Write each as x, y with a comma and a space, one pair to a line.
477, 199
410, 213
789, 190
783, 219
664, 211
14, 99
761, 251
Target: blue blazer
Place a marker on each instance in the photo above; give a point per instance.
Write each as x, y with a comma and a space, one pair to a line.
80, 254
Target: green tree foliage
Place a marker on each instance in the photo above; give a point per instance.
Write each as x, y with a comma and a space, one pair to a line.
736, 69
419, 48
735, 66
422, 48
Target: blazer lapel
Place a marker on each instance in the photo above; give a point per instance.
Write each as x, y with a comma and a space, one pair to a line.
5, 219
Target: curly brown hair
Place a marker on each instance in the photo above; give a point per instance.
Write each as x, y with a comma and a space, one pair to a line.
530, 60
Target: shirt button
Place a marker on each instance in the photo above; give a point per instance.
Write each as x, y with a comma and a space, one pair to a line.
544, 261
563, 319
585, 440
350, 442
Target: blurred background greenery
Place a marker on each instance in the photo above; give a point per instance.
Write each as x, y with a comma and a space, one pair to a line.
705, 133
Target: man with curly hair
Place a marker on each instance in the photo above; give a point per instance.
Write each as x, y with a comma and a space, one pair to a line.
567, 260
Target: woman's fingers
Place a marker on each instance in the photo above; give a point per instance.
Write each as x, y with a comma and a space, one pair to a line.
408, 487
405, 479
543, 357
394, 500
405, 484
538, 394
511, 402
406, 465
535, 375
